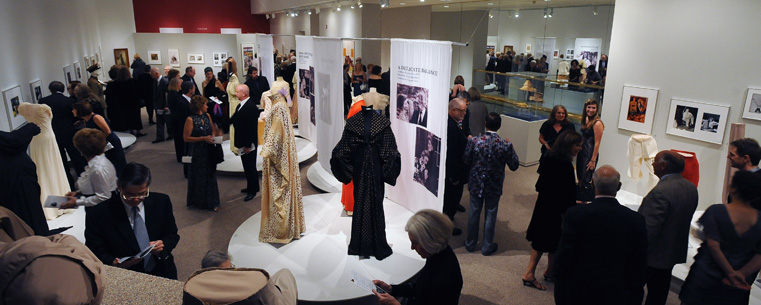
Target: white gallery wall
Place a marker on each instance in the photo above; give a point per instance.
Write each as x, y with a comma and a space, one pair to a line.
668, 52
466, 27
41, 37
409, 22
284, 24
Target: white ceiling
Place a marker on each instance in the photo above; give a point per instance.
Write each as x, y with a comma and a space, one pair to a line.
271, 6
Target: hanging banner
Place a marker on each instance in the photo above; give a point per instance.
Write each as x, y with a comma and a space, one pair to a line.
588, 49
328, 113
420, 78
265, 51
305, 87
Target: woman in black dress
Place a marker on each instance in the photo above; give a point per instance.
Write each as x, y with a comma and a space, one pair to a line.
375, 80
591, 130
556, 124
123, 92
213, 88
557, 192
574, 75
115, 154
729, 258
199, 133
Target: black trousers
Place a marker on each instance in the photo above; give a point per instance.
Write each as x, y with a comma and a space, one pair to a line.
658, 285
149, 109
252, 175
77, 161
452, 196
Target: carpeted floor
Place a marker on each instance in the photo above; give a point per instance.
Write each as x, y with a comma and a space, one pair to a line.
487, 280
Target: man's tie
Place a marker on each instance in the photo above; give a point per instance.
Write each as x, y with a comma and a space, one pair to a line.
141, 233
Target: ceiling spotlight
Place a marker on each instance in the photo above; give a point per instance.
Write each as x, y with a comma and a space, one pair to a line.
352, 6
551, 11
267, 16
517, 13
446, 6
359, 4
317, 10
545, 13
309, 12
491, 14
594, 11
422, 0
338, 8
273, 15
491, 3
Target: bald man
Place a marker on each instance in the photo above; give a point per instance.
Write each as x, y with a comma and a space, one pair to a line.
668, 210
245, 120
602, 254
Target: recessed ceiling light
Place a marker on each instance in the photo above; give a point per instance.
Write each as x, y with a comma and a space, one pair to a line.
491, 3
402, 3
446, 6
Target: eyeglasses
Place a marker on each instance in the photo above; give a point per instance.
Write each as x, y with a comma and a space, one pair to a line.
136, 197
461, 110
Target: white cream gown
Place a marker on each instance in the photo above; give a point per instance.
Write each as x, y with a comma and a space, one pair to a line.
43, 150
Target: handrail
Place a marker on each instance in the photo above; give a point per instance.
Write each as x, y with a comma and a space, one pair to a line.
541, 79
525, 105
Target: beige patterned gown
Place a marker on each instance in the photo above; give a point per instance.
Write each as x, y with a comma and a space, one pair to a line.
282, 206
234, 102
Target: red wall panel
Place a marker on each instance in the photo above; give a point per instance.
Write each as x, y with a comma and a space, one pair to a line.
197, 16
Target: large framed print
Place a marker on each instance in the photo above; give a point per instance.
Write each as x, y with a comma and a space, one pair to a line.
77, 71
154, 57
699, 121
36, 89
219, 58
752, 109
121, 57
638, 109
247, 53
195, 58
68, 75
11, 100
174, 57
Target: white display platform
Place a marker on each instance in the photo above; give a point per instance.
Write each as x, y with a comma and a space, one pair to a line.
319, 260
629, 199
127, 138
76, 220
525, 138
322, 179
232, 164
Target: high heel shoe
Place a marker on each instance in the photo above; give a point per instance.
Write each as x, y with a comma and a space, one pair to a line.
533, 284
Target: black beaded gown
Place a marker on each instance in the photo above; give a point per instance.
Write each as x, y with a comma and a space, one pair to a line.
585, 155
367, 153
203, 192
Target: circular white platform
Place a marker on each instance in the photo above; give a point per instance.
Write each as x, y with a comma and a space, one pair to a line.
232, 164
127, 138
319, 260
322, 179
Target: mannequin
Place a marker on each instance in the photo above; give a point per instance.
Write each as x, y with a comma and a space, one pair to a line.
373, 98
43, 150
347, 190
642, 149
232, 68
278, 85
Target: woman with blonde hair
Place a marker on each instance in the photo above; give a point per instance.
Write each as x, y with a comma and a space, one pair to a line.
232, 71
591, 130
358, 78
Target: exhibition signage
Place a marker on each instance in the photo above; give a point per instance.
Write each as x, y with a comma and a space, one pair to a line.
305, 87
327, 94
588, 49
420, 78
265, 47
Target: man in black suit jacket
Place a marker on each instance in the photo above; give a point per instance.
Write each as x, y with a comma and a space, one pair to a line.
246, 120
456, 175
63, 128
420, 115
160, 87
181, 112
744, 155
257, 84
602, 254
668, 210
190, 74
112, 232
145, 91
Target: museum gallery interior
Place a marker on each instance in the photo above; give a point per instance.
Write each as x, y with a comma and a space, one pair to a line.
310, 142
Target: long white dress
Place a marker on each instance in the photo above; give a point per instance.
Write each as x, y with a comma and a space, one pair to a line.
43, 150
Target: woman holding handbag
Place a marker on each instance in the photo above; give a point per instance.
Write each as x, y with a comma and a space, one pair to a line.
199, 134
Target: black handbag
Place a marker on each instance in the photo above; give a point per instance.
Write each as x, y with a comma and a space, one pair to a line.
216, 155
585, 192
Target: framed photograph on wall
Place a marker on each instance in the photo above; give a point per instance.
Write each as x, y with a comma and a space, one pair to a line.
97, 58
68, 75
569, 52
247, 53
174, 57
154, 57
528, 48
77, 71
11, 100
699, 121
219, 58
507, 48
36, 88
121, 57
752, 109
94, 60
637, 109
195, 58
87, 62
555, 53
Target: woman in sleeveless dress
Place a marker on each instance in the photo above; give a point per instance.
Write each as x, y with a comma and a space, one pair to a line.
115, 154
591, 130
199, 133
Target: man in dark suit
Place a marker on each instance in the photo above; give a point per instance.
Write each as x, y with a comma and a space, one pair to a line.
744, 155
130, 221
190, 74
145, 88
257, 84
181, 112
160, 85
668, 210
63, 128
420, 115
602, 254
245, 120
456, 174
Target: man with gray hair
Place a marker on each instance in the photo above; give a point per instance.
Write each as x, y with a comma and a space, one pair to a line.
602, 254
668, 210
216, 259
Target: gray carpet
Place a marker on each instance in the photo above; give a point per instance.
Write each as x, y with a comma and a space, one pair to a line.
487, 280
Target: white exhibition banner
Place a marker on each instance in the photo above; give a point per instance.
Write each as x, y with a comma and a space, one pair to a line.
305, 86
588, 49
420, 78
545, 46
328, 97
264, 48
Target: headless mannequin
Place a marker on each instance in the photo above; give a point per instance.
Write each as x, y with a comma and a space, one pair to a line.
265, 100
374, 99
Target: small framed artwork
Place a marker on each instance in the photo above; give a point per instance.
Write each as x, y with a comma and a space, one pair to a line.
154, 57
68, 75
121, 57
507, 48
638, 109
36, 89
195, 58
699, 121
219, 58
528, 48
752, 109
555, 53
87, 62
97, 58
174, 57
77, 71
12, 99
569, 52
93, 60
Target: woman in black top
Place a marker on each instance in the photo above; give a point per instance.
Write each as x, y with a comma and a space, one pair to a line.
574, 74
440, 280
553, 127
374, 81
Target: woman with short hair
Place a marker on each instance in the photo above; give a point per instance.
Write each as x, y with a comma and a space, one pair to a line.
440, 280
98, 180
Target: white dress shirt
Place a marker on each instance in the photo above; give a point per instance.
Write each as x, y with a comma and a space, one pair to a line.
97, 181
140, 210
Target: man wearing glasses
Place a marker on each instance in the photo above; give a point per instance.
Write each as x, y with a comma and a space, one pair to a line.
456, 175
134, 219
